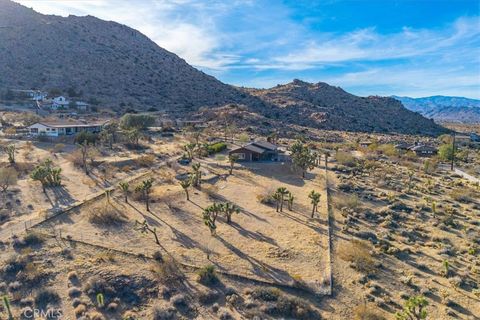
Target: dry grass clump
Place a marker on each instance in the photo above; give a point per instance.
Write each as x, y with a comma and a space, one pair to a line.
358, 254
145, 161
168, 271
345, 158
160, 313
463, 195
46, 297
347, 201
363, 312
106, 215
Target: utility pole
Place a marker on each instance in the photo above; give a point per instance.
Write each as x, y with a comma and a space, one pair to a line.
453, 151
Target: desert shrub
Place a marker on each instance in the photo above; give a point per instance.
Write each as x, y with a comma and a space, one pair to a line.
345, 158
225, 315
72, 276
46, 297
207, 275
88, 137
107, 215
14, 264
145, 161
430, 165
347, 201
179, 300
74, 292
95, 285
58, 148
217, 147
80, 310
168, 271
266, 294
33, 238
363, 312
208, 297
95, 315
266, 198
160, 313
388, 150
358, 254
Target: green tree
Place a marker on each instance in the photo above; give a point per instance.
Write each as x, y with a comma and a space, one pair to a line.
315, 200
125, 186
185, 184
302, 158
445, 152
136, 121
145, 187
232, 159
413, 309
108, 135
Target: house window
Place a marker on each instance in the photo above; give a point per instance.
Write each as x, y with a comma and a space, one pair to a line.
241, 156
34, 130
48, 129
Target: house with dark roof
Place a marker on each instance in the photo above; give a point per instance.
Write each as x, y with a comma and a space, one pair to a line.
424, 150
256, 151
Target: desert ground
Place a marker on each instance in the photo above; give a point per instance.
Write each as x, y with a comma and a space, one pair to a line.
390, 227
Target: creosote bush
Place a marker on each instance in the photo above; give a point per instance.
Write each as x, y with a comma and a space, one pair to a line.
106, 215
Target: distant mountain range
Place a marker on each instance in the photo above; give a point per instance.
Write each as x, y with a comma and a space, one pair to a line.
119, 68
444, 109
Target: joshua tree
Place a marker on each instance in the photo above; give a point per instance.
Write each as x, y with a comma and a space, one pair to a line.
229, 209
145, 228
290, 199
276, 196
145, 187
84, 150
315, 199
185, 185
125, 186
282, 191
10, 150
302, 158
413, 309
232, 159
210, 215
190, 150
47, 175
196, 175
434, 208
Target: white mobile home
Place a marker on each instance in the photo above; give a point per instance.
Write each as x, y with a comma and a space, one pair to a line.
55, 129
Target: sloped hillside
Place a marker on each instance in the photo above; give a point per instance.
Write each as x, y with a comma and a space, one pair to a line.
100, 60
323, 106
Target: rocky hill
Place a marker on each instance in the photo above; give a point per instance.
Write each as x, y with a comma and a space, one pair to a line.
100, 60
117, 67
442, 108
323, 106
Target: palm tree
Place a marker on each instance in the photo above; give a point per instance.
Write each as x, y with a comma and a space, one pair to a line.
232, 159
185, 184
125, 187
282, 191
315, 197
229, 209
145, 187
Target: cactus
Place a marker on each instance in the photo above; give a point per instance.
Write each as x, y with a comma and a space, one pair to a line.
100, 300
6, 303
446, 267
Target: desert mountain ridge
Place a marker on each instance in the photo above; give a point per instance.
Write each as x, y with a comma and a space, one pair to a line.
117, 67
444, 108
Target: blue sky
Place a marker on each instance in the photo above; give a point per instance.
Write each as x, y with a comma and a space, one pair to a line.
415, 48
